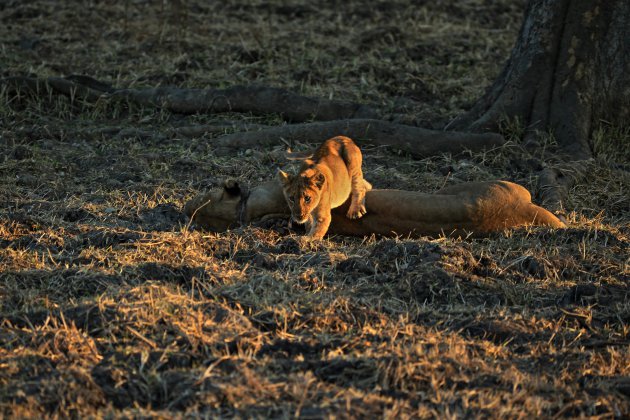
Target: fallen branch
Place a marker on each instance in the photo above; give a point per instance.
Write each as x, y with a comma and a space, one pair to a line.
418, 142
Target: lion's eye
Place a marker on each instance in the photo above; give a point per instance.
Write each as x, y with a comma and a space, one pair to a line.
307, 199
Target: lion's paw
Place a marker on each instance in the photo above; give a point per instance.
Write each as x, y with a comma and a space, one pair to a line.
356, 212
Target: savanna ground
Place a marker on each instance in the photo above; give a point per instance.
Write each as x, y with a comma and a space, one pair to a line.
111, 305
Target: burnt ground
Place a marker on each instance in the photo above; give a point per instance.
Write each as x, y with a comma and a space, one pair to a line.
111, 305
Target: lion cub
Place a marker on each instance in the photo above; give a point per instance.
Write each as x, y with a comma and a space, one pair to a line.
325, 181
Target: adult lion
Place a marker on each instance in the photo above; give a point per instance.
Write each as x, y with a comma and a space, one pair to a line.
476, 208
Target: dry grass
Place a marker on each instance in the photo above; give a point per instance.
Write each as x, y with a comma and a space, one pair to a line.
111, 306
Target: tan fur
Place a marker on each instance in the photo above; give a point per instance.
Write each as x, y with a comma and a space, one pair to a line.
325, 182
477, 208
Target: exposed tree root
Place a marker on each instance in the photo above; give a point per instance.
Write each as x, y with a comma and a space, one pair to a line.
340, 116
418, 142
42, 87
163, 134
259, 100
216, 129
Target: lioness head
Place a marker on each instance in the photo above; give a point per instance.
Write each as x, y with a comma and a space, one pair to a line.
303, 192
217, 209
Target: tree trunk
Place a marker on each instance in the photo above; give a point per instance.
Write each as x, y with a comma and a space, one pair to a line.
568, 72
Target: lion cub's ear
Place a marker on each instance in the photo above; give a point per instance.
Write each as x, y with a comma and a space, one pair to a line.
319, 179
231, 187
283, 176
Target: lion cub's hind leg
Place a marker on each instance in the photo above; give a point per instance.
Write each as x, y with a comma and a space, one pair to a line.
359, 186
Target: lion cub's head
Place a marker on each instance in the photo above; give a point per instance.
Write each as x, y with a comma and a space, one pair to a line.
302, 191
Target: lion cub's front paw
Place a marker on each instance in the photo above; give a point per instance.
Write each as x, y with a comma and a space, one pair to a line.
356, 211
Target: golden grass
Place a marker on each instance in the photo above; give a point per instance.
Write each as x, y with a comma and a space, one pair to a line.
110, 305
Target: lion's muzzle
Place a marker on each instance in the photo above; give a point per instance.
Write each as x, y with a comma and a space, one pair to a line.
300, 219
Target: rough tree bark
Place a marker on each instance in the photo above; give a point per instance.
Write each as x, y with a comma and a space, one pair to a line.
568, 71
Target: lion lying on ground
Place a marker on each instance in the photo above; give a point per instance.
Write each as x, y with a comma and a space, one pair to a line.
476, 208
324, 182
